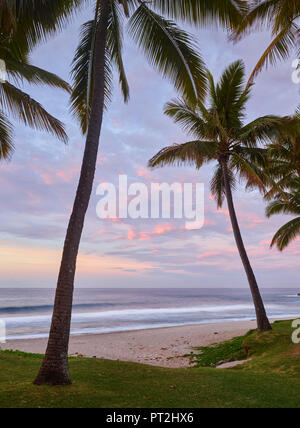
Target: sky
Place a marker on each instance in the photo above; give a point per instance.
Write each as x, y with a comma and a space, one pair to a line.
38, 185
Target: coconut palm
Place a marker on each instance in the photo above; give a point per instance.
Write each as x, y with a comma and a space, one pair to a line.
281, 16
18, 104
222, 137
171, 51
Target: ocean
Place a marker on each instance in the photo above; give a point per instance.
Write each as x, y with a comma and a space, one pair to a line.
27, 312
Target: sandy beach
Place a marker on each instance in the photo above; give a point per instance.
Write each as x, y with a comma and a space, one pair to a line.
160, 347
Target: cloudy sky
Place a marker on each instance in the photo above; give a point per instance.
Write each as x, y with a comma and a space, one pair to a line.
38, 185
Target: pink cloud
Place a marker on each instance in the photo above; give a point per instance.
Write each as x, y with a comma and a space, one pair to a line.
209, 254
144, 173
159, 230
131, 234
222, 211
48, 178
68, 175
52, 177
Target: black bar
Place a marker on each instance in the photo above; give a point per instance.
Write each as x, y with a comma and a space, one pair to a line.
150, 417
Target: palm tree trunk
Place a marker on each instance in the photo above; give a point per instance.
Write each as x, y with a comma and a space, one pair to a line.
55, 367
261, 315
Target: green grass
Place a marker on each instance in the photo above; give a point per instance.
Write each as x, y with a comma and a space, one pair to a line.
210, 356
271, 379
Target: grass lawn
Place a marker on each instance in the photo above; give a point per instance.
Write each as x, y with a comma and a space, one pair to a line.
271, 379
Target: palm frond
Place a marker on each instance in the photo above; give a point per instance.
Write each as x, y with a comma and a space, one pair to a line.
115, 46
213, 100
231, 96
187, 117
83, 76
202, 12
286, 234
231, 85
264, 129
36, 20
279, 49
191, 153
248, 171
285, 203
258, 156
29, 111
6, 137
259, 14
24, 71
171, 50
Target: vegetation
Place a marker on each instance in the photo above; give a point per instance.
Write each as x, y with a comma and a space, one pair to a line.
281, 168
18, 104
270, 380
281, 16
286, 202
23, 25
222, 137
211, 356
272, 352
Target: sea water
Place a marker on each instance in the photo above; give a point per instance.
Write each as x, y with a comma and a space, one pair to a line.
27, 312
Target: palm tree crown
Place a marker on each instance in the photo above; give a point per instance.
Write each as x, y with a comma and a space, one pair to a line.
221, 134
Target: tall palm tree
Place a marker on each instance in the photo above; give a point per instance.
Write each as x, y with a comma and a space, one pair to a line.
222, 137
281, 16
18, 104
172, 52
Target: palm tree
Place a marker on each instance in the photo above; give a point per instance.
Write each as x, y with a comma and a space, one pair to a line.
172, 52
18, 104
281, 16
223, 138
